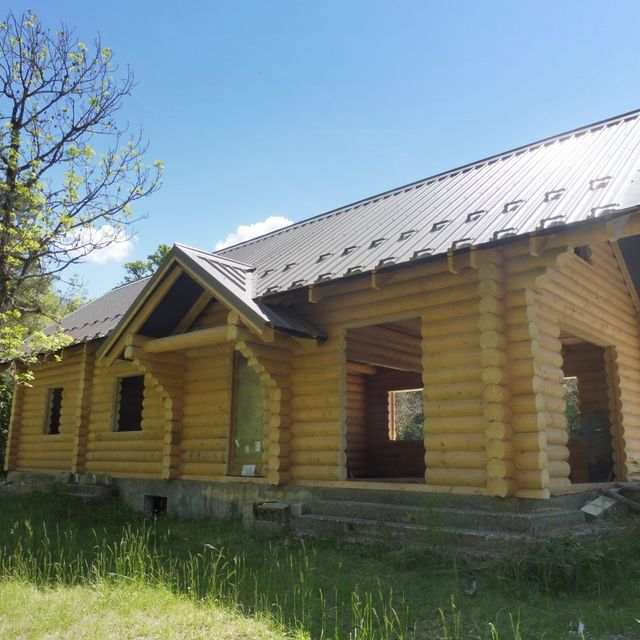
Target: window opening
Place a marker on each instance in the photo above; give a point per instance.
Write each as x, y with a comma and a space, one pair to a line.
54, 410
155, 506
406, 414
129, 400
245, 450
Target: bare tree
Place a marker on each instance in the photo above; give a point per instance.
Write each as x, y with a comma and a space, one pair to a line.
69, 172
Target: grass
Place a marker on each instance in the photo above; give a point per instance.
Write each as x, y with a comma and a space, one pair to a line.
69, 570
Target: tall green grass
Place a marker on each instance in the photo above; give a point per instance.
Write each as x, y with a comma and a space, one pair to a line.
320, 590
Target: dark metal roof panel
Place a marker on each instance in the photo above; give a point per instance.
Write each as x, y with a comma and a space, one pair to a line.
561, 180
98, 318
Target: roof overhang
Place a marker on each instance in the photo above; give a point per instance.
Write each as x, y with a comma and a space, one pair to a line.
228, 281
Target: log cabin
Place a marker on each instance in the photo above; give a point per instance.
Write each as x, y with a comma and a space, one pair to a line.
422, 339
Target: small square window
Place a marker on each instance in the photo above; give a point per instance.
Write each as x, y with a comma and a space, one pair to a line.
128, 406
53, 411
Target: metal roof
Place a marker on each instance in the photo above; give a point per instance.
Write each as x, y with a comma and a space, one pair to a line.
98, 318
233, 283
568, 178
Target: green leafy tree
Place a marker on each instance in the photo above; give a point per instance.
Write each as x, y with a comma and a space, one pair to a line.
143, 268
69, 173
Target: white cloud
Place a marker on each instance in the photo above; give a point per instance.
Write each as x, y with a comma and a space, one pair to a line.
117, 247
248, 231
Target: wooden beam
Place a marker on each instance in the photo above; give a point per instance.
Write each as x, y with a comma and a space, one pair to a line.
191, 315
213, 335
538, 243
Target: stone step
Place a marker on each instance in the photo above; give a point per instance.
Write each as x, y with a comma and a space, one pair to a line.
462, 540
437, 517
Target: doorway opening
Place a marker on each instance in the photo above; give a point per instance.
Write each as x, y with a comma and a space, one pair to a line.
385, 415
588, 418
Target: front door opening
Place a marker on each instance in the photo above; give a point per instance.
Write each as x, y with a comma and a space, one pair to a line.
587, 411
385, 417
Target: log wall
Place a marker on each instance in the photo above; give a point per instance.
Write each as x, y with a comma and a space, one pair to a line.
592, 302
33, 449
136, 454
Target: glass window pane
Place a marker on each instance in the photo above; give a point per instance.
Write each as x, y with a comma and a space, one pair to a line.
246, 440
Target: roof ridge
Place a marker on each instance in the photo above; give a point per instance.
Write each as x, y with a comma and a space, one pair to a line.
629, 115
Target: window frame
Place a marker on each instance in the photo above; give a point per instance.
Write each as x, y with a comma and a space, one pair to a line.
391, 414
232, 468
117, 396
48, 409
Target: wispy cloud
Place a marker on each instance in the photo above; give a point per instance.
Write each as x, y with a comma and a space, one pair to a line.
248, 231
114, 245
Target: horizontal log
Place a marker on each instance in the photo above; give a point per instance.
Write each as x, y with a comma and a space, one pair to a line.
498, 468
203, 469
456, 459
316, 472
318, 458
559, 469
531, 460
318, 443
456, 477
468, 424
532, 479
455, 442
501, 487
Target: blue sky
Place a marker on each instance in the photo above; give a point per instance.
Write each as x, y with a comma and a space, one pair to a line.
288, 109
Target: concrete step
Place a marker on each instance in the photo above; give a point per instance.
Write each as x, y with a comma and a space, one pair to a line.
437, 517
463, 540
420, 498
87, 492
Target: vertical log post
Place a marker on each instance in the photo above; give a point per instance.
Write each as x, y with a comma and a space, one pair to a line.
496, 393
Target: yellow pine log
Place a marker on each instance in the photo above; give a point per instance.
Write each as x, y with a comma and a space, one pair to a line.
496, 393
488, 304
452, 375
456, 359
457, 477
501, 487
533, 494
531, 421
315, 428
491, 322
278, 477
594, 282
465, 324
456, 302
494, 376
133, 457
123, 468
468, 424
523, 280
491, 357
557, 436
462, 408
203, 456
559, 486
454, 391
559, 469
316, 472
379, 335
321, 458
214, 444
442, 344
531, 460
203, 469
498, 468
326, 414
499, 430
500, 449
385, 357
316, 402
527, 263
455, 442
497, 412
456, 459
279, 449
492, 340
534, 441
26, 456
570, 302
536, 479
